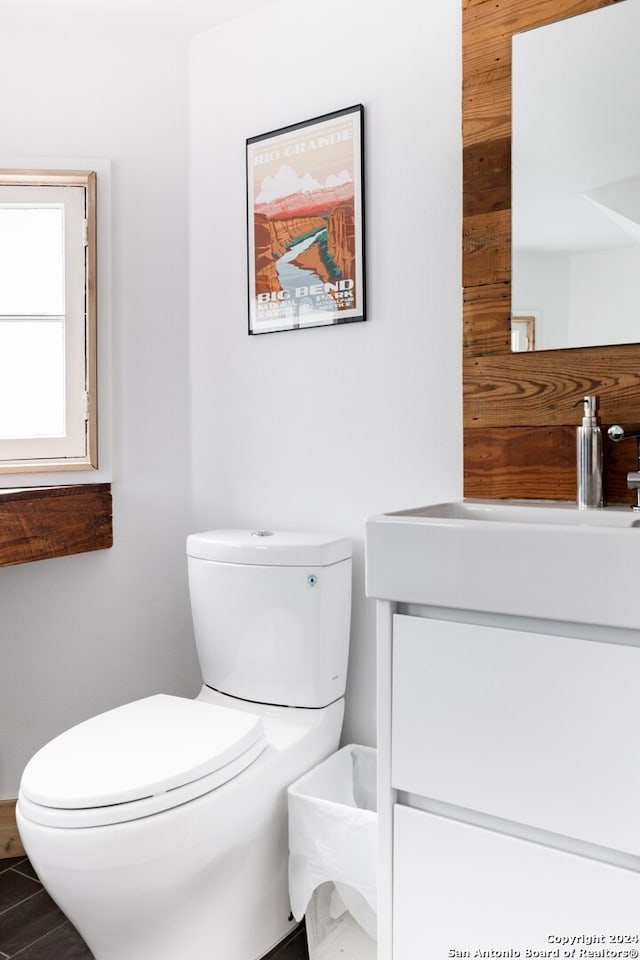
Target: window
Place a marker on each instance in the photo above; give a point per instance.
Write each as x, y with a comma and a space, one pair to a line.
47, 321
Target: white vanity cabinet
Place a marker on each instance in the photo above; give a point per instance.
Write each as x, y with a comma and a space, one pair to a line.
537, 729
514, 766
508, 740
460, 890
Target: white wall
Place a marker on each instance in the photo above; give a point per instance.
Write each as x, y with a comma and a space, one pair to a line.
84, 633
315, 429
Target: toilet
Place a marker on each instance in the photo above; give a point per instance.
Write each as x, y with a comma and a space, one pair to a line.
160, 827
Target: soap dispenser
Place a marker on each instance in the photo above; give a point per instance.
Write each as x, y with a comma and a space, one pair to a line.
589, 457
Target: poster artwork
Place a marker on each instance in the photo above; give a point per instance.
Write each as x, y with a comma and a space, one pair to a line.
305, 224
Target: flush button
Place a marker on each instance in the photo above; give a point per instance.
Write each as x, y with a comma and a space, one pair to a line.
262, 533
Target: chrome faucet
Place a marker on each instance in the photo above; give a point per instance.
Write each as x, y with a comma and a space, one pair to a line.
617, 433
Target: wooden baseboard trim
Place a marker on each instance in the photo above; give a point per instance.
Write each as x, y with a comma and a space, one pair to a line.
10, 843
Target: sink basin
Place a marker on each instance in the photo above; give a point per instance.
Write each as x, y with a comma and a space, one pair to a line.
525, 511
541, 559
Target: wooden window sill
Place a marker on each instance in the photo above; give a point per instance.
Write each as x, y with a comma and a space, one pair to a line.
38, 523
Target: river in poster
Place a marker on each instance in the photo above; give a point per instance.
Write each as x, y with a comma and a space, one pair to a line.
305, 224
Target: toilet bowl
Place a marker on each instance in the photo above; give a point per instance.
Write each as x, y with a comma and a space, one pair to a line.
160, 827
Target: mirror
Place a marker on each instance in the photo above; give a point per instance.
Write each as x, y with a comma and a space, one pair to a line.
576, 181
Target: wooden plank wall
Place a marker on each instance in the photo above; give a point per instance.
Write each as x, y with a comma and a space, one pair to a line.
519, 409
10, 843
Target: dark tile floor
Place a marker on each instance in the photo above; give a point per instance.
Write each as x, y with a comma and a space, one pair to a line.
33, 928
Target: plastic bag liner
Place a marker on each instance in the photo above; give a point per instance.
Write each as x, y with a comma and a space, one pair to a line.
333, 832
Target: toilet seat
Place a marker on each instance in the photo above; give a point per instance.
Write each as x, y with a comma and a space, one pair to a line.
138, 760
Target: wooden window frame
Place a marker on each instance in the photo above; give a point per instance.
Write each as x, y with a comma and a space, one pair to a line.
86, 179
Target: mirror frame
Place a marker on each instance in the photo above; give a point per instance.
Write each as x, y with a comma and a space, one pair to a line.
519, 408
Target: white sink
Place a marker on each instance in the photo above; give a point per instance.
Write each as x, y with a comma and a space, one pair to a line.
525, 511
527, 558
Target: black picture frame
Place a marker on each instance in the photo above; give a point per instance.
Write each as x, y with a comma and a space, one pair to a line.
305, 224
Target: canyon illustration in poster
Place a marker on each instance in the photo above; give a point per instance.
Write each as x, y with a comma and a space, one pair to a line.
305, 224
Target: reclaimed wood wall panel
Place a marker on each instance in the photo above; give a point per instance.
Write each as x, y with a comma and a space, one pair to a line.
539, 463
546, 388
487, 110
520, 410
41, 523
487, 181
486, 249
536, 460
486, 319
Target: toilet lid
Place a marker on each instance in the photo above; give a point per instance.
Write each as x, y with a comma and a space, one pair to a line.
141, 750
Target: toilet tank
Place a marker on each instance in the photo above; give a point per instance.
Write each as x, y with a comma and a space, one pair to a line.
271, 614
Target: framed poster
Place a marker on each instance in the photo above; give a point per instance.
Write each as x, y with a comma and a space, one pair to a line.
305, 224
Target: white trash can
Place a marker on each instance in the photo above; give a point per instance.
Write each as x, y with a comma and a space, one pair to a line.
333, 855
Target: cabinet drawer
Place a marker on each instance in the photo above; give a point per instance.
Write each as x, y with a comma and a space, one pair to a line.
460, 888
542, 730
